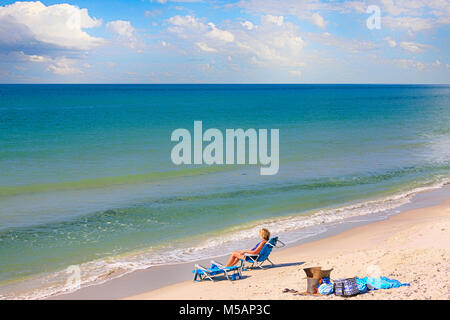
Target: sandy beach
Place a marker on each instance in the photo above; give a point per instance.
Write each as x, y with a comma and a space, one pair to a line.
412, 247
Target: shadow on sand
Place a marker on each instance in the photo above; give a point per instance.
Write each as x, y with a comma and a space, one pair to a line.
277, 265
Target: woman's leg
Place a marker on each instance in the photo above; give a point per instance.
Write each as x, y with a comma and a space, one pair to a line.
234, 258
231, 261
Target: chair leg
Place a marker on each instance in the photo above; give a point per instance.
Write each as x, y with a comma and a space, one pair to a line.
198, 276
253, 263
242, 267
270, 262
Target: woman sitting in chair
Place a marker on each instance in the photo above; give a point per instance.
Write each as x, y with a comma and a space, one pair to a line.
238, 255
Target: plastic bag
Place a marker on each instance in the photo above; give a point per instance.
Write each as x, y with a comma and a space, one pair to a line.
326, 288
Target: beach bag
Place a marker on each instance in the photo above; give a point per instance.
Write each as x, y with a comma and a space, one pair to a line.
362, 287
235, 276
346, 287
382, 283
326, 288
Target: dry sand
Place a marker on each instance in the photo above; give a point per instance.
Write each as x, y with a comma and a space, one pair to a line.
412, 247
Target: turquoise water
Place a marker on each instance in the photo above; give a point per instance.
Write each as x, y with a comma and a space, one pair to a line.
86, 176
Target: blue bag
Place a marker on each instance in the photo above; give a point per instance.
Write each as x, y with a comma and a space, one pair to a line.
362, 287
326, 288
380, 283
346, 287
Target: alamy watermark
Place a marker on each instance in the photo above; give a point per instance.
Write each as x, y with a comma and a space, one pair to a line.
374, 20
235, 147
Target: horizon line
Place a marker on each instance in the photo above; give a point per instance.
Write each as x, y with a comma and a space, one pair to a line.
225, 83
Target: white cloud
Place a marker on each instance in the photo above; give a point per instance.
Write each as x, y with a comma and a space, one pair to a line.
348, 45
218, 34
64, 66
318, 20
204, 47
301, 9
391, 42
357, 6
153, 13
192, 31
273, 42
22, 57
409, 63
121, 27
32, 26
436, 64
125, 33
63, 70
36, 58
278, 20
415, 7
408, 23
419, 66
415, 15
186, 22
413, 47
190, 26
248, 25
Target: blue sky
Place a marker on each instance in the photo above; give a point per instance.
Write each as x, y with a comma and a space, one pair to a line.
242, 41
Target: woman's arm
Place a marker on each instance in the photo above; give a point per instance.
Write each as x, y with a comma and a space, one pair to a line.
257, 250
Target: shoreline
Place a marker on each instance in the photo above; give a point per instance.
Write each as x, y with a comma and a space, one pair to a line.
412, 247
158, 278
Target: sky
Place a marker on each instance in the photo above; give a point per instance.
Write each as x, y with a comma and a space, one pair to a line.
240, 41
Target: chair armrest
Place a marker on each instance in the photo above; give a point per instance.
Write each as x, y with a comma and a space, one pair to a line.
199, 267
221, 265
251, 254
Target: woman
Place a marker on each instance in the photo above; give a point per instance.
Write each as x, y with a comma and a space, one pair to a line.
238, 255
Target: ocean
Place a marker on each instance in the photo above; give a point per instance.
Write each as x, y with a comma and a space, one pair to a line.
86, 176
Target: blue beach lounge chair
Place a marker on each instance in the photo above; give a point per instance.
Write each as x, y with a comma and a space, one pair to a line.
263, 256
232, 273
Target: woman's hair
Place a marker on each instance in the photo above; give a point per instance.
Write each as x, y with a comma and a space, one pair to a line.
265, 233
